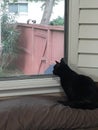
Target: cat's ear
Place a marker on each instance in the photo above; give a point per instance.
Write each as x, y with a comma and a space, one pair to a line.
56, 62
62, 60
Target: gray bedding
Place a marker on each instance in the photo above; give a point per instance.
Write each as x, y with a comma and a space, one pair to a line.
44, 113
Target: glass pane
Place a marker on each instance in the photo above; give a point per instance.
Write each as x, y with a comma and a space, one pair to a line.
13, 8
31, 42
23, 7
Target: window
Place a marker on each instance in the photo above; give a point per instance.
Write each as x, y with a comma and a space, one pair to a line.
31, 72
18, 7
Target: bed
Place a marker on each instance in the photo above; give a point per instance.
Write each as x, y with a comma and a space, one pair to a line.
44, 113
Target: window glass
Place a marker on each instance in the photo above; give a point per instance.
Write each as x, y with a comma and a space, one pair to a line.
13, 8
23, 7
18, 7
31, 43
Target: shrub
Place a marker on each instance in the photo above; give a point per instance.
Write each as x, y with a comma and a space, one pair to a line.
9, 38
58, 21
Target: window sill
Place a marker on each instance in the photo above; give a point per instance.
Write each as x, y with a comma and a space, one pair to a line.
27, 86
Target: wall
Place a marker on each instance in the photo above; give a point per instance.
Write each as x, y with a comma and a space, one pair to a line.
83, 36
40, 47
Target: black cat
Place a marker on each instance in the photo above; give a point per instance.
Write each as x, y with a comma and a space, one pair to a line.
81, 90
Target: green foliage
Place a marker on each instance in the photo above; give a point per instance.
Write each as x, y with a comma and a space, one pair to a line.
58, 21
9, 38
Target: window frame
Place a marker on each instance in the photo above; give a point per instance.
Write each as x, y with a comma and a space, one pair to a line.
35, 84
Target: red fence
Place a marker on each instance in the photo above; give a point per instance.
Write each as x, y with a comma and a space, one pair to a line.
40, 47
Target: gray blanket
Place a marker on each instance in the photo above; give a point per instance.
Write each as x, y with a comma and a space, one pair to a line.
44, 113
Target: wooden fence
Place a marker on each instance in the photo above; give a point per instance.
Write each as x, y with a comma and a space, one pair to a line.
40, 47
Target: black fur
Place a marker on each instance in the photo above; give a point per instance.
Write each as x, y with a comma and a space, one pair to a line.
81, 90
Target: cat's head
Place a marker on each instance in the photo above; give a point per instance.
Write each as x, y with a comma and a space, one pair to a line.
59, 67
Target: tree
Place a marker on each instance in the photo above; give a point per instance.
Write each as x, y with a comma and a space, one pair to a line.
48, 7
9, 38
47, 11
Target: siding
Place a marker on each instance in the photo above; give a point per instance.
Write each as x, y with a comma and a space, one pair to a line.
88, 4
83, 46
88, 33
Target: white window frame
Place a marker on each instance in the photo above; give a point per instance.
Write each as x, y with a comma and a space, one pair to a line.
28, 85
73, 33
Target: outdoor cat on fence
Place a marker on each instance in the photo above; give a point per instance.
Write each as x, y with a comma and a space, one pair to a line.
81, 90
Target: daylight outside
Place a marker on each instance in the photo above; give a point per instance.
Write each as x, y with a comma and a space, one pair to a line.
32, 36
